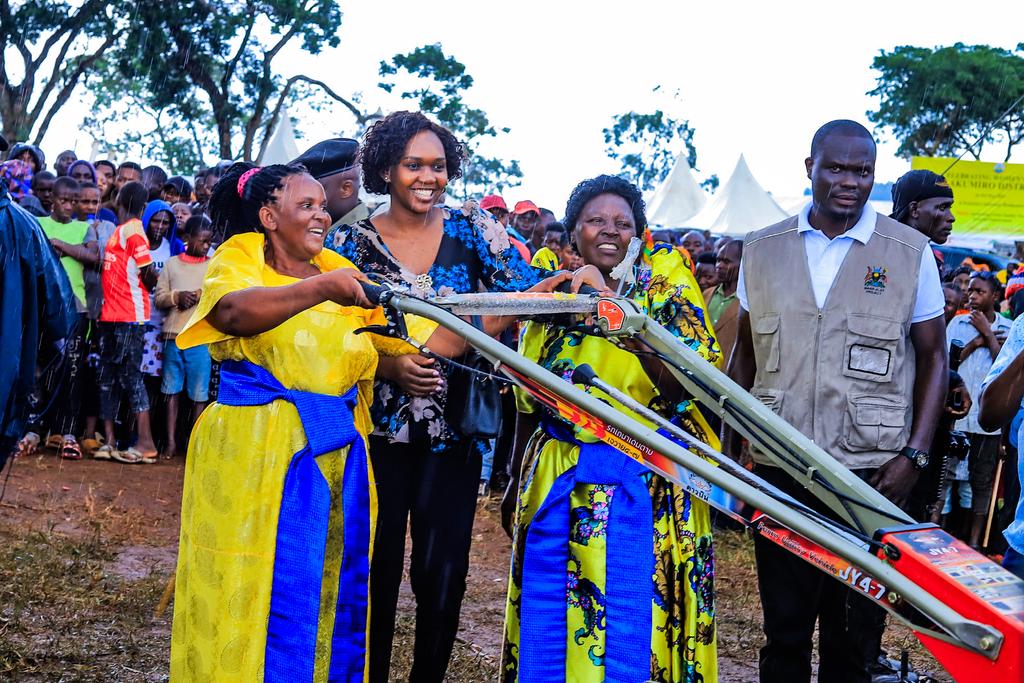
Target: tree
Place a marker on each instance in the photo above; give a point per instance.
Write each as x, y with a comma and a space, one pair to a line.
437, 84
216, 59
646, 146
177, 137
67, 43
950, 100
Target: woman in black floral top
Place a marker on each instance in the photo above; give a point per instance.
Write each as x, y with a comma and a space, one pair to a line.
422, 466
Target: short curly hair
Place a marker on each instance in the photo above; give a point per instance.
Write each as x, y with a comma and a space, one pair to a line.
605, 184
385, 144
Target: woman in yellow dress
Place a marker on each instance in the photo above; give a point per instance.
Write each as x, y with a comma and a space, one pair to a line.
277, 511
279, 508
613, 556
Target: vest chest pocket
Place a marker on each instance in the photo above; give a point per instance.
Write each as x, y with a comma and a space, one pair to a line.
765, 331
871, 346
771, 398
874, 423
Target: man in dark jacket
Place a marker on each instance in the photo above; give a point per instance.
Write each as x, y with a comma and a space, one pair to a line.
35, 302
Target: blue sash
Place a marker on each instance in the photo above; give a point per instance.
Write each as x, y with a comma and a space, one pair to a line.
302, 531
629, 561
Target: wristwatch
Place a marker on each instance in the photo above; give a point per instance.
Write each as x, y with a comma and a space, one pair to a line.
919, 458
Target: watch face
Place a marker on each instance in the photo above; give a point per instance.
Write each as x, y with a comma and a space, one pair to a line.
921, 460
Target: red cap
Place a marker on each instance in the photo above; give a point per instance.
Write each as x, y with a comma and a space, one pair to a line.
492, 201
526, 206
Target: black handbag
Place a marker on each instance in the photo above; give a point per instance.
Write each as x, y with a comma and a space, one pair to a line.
473, 405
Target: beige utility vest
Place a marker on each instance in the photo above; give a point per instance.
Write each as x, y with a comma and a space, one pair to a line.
843, 374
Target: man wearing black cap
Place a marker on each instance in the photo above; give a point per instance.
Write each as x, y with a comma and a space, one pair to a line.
924, 201
333, 163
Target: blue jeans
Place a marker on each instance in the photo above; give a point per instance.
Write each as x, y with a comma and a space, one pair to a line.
1013, 562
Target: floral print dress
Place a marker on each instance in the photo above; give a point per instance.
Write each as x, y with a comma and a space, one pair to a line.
683, 647
475, 251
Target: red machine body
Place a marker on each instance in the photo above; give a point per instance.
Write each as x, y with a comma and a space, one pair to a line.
978, 589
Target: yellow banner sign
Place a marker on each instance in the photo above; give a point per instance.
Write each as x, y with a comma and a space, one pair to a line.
987, 197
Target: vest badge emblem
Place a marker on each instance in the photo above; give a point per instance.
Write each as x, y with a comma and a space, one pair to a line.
876, 279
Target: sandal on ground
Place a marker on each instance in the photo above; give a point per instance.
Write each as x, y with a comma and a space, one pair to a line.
55, 441
129, 456
28, 445
89, 445
104, 452
69, 449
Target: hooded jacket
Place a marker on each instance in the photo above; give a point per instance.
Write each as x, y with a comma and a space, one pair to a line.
152, 209
23, 147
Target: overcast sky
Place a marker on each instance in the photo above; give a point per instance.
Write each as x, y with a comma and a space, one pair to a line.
752, 77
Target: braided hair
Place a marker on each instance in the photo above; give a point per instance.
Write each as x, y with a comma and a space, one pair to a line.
234, 213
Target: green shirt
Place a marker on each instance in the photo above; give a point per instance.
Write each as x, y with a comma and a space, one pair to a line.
72, 233
719, 302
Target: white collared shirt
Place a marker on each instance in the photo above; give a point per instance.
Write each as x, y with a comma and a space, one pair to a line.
825, 257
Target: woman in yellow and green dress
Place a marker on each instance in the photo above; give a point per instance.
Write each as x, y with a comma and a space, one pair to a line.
277, 510
613, 556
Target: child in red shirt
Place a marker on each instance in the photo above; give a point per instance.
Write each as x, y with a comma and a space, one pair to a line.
127, 278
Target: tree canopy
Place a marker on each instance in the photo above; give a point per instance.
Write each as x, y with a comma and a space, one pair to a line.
939, 102
212, 63
437, 83
646, 147
56, 45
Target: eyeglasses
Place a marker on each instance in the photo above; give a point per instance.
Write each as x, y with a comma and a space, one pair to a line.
983, 274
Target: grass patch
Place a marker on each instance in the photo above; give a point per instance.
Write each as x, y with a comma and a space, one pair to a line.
467, 665
64, 617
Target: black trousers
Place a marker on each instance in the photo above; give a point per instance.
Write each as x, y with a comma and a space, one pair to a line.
438, 493
795, 595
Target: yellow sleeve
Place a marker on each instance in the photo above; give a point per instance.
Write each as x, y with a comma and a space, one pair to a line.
238, 264
674, 300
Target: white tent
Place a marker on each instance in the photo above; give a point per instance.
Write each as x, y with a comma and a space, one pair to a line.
282, 147
739, 206
677, 198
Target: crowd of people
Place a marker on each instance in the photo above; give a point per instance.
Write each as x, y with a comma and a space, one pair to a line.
226, 310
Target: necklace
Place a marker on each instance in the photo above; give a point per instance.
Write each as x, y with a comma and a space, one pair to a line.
422, 281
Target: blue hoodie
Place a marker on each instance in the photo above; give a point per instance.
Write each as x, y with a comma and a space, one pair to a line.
152, 209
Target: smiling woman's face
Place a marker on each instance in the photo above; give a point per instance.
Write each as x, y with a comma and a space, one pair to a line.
603, 231
297, 219
418, 180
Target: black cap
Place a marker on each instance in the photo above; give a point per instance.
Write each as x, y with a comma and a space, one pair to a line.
916, 186
329, 157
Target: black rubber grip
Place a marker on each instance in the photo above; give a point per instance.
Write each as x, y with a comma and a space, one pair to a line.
372, 292
584, 374
566, 288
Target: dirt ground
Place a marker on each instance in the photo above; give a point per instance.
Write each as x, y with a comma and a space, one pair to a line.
87, 548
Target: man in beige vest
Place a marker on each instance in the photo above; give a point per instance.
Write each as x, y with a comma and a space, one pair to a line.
840, 332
